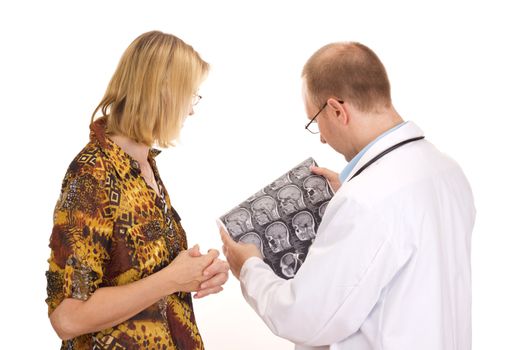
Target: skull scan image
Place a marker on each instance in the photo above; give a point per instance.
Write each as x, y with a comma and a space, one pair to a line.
302, 171
317, 189
304, 225
264, 210
277, 236
290, 263
256, 196
322, 208
277, 184
290, 199
238, 222
253, 238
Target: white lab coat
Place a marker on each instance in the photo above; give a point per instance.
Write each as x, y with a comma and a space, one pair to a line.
390, 267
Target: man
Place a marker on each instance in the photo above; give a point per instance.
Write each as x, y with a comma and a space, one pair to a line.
390, 266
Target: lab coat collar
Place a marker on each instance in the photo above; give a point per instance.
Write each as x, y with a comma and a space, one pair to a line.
406, 131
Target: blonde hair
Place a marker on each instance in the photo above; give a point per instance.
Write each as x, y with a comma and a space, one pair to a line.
350, 71
152, 88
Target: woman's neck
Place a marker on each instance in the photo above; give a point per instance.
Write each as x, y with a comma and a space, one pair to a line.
137, 151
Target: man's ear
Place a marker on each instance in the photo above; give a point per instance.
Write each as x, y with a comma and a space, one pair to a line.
341, 110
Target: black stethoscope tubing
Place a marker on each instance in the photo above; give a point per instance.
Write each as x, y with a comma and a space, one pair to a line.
380, 155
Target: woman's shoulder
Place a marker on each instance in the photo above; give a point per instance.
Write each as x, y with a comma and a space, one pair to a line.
90, 162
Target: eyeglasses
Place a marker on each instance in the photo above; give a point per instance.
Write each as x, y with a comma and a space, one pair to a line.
196, 98
312, 124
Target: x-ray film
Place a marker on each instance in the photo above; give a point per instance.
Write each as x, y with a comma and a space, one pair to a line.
282, 218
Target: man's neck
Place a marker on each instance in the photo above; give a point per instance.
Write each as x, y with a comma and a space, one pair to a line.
375, 125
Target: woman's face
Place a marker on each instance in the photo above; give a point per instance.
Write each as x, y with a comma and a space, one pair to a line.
194, 101
190, 111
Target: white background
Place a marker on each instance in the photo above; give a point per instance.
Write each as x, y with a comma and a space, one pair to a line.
454, 71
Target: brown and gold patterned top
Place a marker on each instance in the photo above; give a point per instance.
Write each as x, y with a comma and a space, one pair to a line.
110, 229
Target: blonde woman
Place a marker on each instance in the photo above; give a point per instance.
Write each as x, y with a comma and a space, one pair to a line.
120, 274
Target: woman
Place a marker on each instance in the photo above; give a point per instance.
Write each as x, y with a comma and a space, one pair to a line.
120, 274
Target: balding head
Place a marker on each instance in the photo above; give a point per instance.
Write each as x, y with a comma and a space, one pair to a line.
349, 71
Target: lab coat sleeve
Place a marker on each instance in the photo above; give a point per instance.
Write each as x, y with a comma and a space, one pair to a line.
351, 261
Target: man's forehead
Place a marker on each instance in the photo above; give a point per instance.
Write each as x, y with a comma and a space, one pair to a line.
303, 86
304, 91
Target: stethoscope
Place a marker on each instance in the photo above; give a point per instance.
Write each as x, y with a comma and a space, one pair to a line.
383, 153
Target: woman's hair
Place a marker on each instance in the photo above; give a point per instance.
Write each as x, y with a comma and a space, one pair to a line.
349, 71
152, 88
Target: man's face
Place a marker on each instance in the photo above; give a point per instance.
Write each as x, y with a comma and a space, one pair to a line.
311, 109
332, 128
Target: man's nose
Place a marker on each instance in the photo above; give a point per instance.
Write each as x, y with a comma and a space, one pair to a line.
322, 139
191, 111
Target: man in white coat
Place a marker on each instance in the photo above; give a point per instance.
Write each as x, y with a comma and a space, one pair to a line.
390, 266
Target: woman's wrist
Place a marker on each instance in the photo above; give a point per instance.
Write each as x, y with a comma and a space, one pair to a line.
165, 281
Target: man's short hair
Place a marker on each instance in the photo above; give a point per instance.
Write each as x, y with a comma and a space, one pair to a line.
349, 71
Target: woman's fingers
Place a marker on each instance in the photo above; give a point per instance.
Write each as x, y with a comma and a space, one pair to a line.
194, 251
215, 281
208, 259
206, 292
217, 266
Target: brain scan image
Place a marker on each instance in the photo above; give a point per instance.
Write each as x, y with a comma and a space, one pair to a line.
304, 225
253, 238
280, 182
316, 189
322, 208
290, 199
238, 222
264, 210
277, 237
302, 171
290, 263
282, 218
256, 196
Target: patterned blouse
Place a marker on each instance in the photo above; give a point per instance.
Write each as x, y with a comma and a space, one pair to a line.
110, 229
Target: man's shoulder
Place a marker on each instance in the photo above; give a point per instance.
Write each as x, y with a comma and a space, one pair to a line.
407, 177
